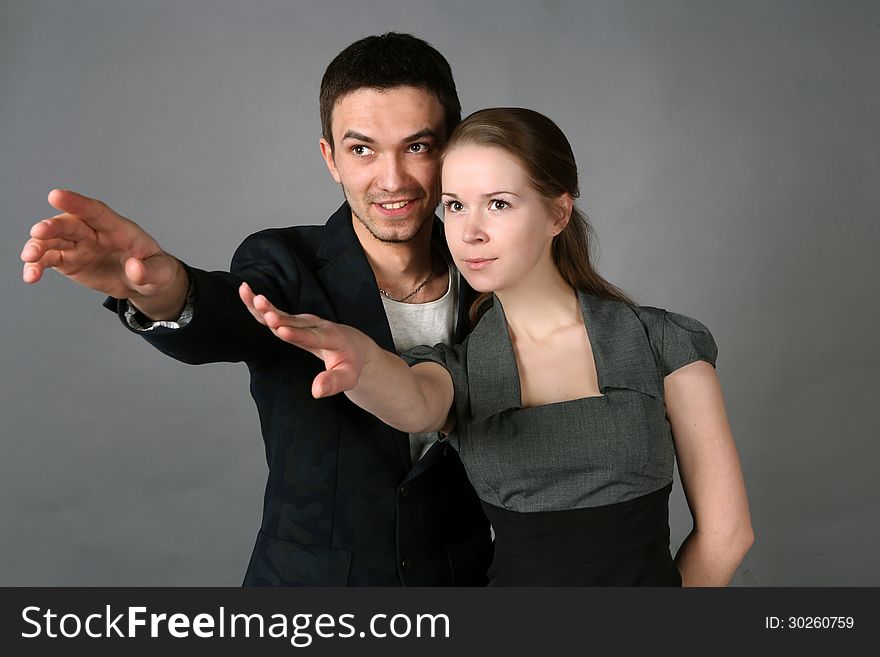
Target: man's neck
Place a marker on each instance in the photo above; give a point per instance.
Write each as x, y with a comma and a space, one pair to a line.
397, 265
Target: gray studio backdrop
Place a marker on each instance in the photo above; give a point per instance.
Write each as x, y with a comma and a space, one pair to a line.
730, 160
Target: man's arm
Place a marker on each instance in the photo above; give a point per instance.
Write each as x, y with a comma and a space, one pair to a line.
102, 250
98, 248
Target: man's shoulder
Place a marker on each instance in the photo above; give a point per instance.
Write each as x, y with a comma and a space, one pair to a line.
299, 242
305, 235
311, 240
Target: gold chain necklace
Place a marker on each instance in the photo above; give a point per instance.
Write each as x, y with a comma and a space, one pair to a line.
411, 294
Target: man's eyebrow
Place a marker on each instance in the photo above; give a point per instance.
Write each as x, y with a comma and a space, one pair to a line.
351, 134
421, 134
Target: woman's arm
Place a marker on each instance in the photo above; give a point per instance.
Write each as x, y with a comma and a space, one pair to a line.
711, 475
415, 400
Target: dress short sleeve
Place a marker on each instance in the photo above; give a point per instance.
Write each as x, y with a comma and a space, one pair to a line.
684, 341
677, 340
454, 359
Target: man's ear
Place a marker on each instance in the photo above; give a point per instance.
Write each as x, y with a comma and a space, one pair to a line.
563, 205
327, 153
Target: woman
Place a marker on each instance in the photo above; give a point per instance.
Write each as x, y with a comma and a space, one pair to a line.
569, 403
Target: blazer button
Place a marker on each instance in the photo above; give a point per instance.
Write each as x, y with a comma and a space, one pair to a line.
404, 490
406, 563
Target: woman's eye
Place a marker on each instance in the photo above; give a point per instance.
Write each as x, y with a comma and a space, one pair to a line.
453, 206
498, 204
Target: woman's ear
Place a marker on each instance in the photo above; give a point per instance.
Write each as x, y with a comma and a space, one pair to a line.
562, 208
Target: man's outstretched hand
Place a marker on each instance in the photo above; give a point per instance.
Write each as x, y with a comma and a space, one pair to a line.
102, 250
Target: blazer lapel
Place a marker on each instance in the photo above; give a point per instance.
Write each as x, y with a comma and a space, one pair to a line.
351, 287
349, 282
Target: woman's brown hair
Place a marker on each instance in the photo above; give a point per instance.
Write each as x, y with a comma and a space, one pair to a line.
545, 154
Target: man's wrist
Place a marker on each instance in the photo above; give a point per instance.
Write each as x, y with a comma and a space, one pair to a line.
139, 321
169, 310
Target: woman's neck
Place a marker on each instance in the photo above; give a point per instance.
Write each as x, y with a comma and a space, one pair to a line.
540, 304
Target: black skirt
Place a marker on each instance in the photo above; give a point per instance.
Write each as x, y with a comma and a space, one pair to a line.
623, 544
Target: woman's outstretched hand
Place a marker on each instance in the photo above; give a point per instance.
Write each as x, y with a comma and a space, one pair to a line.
344, 349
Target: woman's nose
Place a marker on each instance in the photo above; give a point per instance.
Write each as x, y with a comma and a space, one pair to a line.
473, 230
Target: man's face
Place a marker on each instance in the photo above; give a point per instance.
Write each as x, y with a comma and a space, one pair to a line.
386, 157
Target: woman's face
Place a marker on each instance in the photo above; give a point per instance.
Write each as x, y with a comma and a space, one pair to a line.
498, 227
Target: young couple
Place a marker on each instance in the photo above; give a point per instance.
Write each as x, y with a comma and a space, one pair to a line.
566, 404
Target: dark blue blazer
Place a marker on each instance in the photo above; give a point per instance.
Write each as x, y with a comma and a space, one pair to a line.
344, 505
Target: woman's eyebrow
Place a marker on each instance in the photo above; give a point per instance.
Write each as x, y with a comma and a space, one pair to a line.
489, 195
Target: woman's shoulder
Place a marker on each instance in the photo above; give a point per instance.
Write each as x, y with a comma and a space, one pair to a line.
677, 339
660, 320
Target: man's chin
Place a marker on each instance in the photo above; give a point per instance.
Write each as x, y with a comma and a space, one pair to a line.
393, 240
393, 234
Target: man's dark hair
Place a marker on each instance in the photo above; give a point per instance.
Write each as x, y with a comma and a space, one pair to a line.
386, 61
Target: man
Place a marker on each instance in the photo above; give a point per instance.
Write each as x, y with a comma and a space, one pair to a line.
348, 500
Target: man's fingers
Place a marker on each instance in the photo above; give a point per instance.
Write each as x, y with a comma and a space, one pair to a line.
35, 249
74, 203
332, 382
137, 272
64, 226
33, 271
95, 213
156, 271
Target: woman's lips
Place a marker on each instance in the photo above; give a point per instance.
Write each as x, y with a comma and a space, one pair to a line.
478, 263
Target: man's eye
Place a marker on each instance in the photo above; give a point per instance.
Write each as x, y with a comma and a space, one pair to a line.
360, 150
498, 204
418, 148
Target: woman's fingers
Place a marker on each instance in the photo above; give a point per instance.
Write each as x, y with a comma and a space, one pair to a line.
306, 331
310, 339
248, 298
263, 305
309, 332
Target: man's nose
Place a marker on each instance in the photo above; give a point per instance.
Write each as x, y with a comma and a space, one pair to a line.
392, 175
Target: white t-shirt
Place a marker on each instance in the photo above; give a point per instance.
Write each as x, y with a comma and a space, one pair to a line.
428, 323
